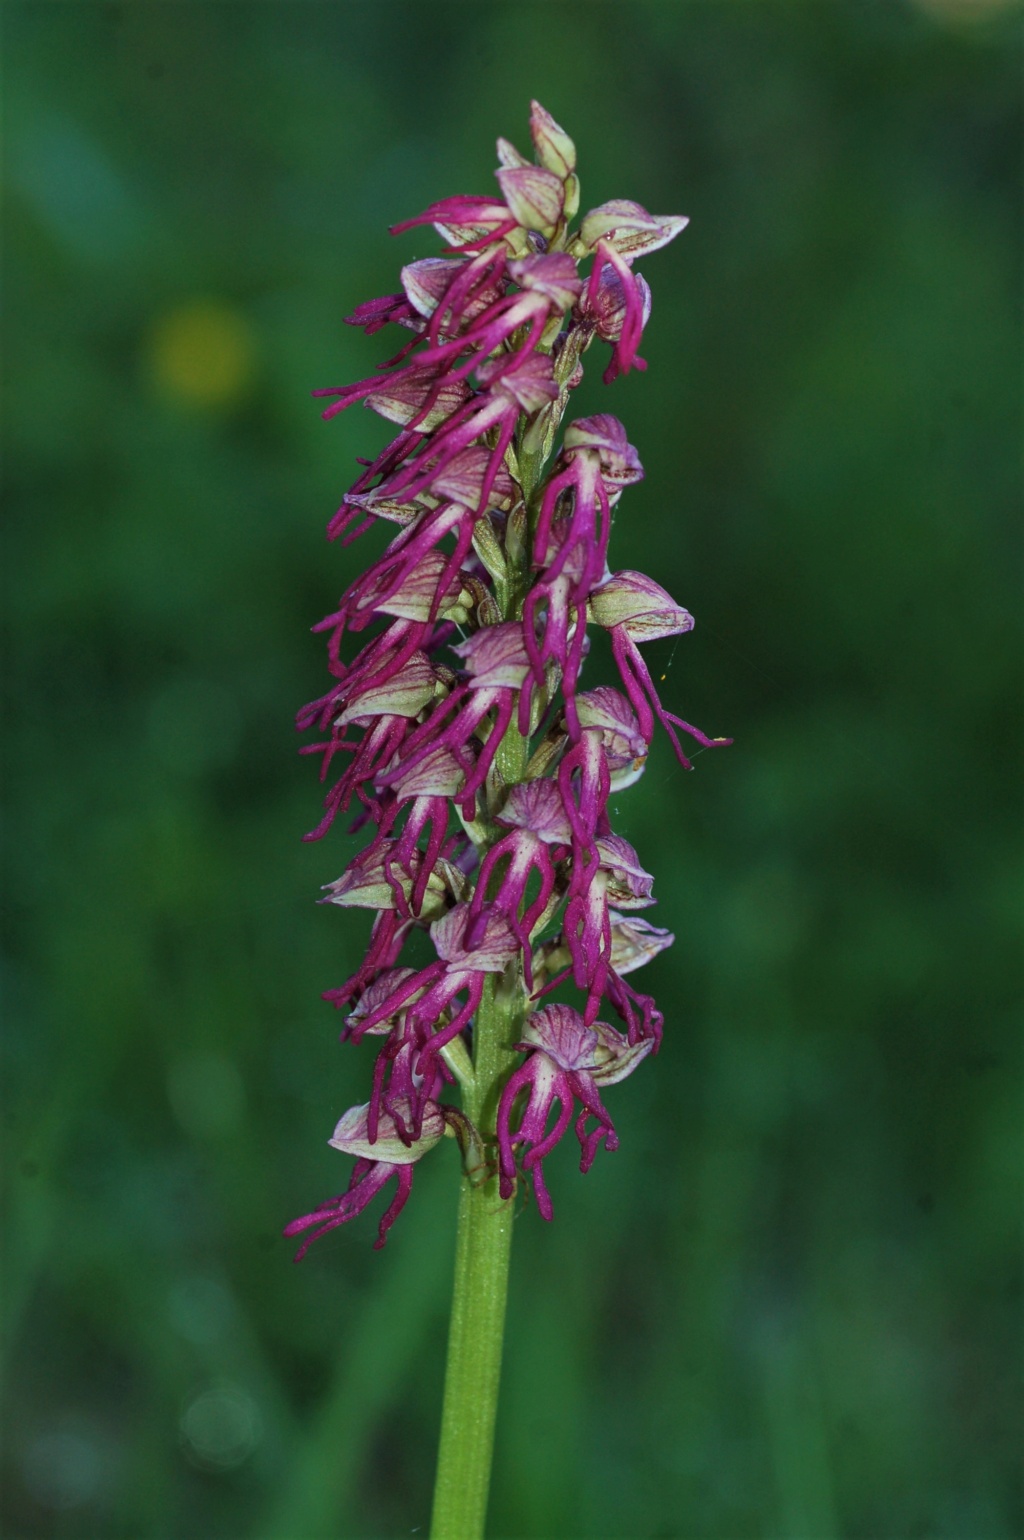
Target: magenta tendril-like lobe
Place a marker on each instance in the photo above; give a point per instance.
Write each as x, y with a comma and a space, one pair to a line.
470, 631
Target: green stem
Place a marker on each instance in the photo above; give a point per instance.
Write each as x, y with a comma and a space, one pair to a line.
484, 1239
478, 1304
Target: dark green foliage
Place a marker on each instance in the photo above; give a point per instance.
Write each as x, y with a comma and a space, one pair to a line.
789, 1306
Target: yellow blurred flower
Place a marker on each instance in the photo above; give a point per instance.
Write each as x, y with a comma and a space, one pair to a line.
203, 352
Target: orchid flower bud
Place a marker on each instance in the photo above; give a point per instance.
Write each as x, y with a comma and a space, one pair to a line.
508, 155
552, 145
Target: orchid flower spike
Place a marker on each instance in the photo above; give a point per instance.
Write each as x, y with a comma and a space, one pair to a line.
456, 730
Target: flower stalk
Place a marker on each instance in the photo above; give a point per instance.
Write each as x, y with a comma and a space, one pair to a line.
469, 750
477, 1328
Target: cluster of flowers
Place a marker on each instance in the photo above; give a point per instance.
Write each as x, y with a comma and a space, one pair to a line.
480, 606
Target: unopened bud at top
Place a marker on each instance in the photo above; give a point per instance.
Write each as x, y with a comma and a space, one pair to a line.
553, 147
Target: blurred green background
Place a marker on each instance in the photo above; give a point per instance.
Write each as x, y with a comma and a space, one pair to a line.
789, 1307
